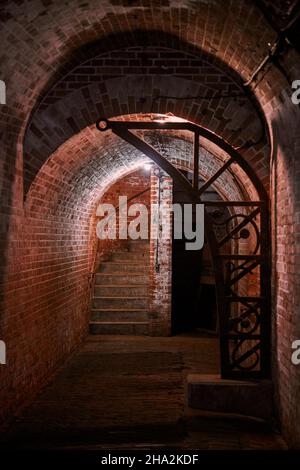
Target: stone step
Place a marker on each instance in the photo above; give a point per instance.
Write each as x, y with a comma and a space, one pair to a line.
119, 290
121, 297
112, 267
117, 316
245, 397
119, 328
120, 302
142, 256
121, 278
139, 245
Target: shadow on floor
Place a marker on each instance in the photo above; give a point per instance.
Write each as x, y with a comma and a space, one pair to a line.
121, 392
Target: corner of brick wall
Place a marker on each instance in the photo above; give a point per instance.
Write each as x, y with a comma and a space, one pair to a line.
160, 262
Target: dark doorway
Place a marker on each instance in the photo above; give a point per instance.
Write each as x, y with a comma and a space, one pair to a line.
193, 285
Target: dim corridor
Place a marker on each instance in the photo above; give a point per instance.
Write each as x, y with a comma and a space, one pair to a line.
128, 392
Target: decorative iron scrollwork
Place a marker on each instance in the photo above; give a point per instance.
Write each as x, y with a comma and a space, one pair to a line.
231, 225
247, 322
245, 357
244, 318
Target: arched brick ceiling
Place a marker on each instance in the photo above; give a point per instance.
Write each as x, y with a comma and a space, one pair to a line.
139, 79
44, 35
40, 38
76, 175
44, 39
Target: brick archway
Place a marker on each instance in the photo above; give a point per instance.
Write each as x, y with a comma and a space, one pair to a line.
77, 174
41, 45
244, 330
136, 79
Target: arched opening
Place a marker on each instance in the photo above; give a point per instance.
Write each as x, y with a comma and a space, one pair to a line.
194, 296
243, 313
227, 70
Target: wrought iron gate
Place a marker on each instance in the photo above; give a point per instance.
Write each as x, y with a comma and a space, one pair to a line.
244, 318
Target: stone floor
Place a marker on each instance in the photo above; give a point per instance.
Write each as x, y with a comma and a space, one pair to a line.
121, 392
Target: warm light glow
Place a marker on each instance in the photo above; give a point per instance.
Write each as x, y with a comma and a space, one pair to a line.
169, 117
147, 166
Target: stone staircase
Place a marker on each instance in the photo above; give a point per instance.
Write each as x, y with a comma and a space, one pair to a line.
120, 302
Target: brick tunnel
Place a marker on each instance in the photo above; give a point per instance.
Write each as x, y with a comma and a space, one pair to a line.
124, 343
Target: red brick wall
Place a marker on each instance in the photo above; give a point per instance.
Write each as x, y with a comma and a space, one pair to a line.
50, 258
42, 44
46, 298
286, 265
130, 185
161, 261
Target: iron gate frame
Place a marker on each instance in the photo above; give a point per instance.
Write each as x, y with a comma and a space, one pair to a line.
261, 350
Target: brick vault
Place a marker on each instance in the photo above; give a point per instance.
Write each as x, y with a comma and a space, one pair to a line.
65, 64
